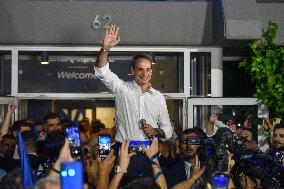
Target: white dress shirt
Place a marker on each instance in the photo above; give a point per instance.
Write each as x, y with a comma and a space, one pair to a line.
188, 169
132, 105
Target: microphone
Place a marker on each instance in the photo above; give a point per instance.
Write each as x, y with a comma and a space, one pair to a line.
142, 123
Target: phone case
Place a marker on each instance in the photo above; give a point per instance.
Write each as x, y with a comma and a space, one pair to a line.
72, 175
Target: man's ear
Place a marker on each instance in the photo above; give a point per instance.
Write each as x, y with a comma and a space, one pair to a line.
177, 146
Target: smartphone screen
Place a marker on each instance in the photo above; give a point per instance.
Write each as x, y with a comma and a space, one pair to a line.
220, 181
136, 146
71, 175
104, 146
74, 141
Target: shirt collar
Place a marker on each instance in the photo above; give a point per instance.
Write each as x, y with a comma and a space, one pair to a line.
150, 90
188, 165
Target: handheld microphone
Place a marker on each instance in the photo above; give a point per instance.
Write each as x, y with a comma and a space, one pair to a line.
142, 123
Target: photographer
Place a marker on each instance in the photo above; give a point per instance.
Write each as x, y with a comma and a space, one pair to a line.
278, 139
182, 168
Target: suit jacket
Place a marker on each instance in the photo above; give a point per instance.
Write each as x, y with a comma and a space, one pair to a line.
175, 173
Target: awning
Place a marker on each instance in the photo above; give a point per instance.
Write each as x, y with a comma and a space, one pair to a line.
241, 19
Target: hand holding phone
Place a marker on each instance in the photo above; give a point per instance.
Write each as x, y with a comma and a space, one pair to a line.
74, 141
136, 146
104, 145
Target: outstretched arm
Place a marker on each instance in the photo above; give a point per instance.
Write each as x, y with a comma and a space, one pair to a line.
111, 39
105, 167
5, 126
210, 127
124, 160
157, 171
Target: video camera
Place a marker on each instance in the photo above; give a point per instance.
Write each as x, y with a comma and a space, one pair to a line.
213, 154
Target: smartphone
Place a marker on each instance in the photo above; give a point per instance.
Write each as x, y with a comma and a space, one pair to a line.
104, 145
136, 146
220, 181
74, 141
71, 175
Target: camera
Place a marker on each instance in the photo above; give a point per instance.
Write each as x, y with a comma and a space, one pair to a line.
267, 167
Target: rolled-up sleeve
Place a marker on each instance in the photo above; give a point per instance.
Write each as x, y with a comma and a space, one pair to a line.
110, 79
168, 131
100, 72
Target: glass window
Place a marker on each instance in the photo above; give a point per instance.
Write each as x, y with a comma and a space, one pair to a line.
73, 72
175, 109
225, 113
5, 73
93, 109
200, 77
236, 81
245, 120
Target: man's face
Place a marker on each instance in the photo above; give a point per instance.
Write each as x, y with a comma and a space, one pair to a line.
278, 139
53, 125
142, 71
247, 134
188, 151
8, 147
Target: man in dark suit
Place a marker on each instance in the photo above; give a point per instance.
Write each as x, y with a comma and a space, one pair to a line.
182, 168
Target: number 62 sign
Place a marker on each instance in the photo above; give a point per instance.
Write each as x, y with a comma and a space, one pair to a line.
101, 21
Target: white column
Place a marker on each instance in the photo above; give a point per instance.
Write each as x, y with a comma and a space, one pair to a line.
217, 72
14, 70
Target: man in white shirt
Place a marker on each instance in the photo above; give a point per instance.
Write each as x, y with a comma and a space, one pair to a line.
136, 100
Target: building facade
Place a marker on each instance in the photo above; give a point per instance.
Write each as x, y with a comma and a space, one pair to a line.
196, 46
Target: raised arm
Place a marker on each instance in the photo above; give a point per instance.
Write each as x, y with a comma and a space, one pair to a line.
210, 127
111, 39
153, 154
5, 126
124, 160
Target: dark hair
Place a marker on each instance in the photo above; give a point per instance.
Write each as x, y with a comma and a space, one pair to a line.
51, 115
191, 130
8, 136
278, 126
144, 56
21, 123
11, 181
141, 183
96, 126
252, 133
30, 140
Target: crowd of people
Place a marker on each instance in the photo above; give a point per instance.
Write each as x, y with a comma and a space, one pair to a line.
176, 158
178, 162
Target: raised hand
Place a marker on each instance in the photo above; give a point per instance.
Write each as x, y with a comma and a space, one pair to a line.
124, 157
149, 130
111, 38
106, 165
152, 150
197, 170
11, 107
213, 118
